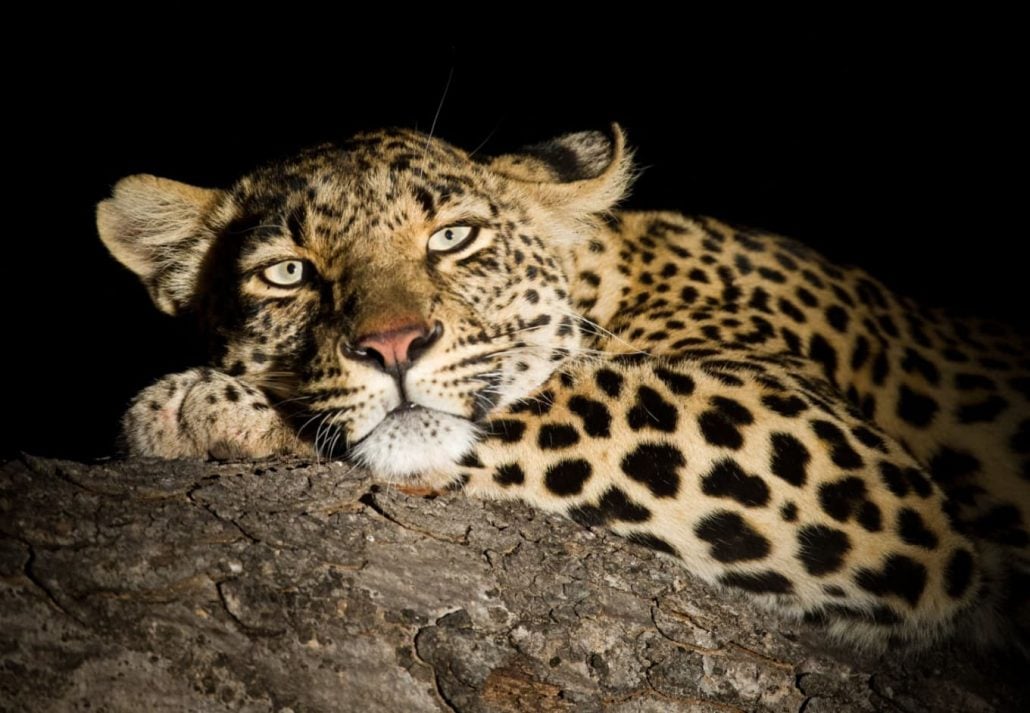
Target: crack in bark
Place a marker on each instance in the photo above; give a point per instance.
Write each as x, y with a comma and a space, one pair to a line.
27, 570
437, 684
368, 499
244, 628
685, 644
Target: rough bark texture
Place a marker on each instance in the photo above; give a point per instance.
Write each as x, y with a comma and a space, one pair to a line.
144, 586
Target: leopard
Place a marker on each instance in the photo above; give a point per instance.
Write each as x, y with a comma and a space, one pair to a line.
785, 427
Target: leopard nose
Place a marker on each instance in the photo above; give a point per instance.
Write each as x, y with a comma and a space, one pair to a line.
395, 348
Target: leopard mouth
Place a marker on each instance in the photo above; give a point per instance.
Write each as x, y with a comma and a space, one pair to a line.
414, 440
413, 419
406, 407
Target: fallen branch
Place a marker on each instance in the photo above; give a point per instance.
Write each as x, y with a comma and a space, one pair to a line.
151, 586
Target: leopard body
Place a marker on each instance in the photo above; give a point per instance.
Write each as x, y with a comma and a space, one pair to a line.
784, 426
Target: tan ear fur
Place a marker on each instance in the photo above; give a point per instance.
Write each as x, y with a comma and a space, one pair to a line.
156, 228
587, 173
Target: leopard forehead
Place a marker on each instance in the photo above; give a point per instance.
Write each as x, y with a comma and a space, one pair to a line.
362, 194
375, 200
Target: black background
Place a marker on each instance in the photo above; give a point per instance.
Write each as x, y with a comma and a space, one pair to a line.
900, 150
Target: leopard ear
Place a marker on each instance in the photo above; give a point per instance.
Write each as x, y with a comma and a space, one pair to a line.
158, 229
587, 172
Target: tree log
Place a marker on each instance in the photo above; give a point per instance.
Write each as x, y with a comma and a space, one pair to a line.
286, 586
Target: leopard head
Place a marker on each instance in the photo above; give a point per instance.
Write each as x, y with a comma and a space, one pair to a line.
390, 292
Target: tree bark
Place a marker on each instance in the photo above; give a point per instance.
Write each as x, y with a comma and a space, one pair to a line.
174, 586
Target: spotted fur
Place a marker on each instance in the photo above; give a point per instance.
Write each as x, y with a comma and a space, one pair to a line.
785, 427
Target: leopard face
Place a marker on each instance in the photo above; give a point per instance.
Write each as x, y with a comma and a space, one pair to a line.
389, 293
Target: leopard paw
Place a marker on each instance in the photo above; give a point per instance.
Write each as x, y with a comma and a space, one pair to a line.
203, 413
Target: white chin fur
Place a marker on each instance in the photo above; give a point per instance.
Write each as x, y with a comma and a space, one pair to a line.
411, 443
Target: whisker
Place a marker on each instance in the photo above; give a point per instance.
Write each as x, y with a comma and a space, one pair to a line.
295, 399
432, 127
336, 439
252, 228
521, 330
318, 437
489, 136
308, 423
601, 331
280, 383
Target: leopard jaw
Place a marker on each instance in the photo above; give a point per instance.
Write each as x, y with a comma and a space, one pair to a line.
413, 441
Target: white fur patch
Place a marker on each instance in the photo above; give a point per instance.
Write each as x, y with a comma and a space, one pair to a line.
413, 442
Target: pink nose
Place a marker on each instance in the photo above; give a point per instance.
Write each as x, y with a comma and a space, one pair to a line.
399, 346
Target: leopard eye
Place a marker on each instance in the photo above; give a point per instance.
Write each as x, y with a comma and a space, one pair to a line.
451, 238
285, 274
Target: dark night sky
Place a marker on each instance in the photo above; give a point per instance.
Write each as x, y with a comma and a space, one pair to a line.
902, 152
